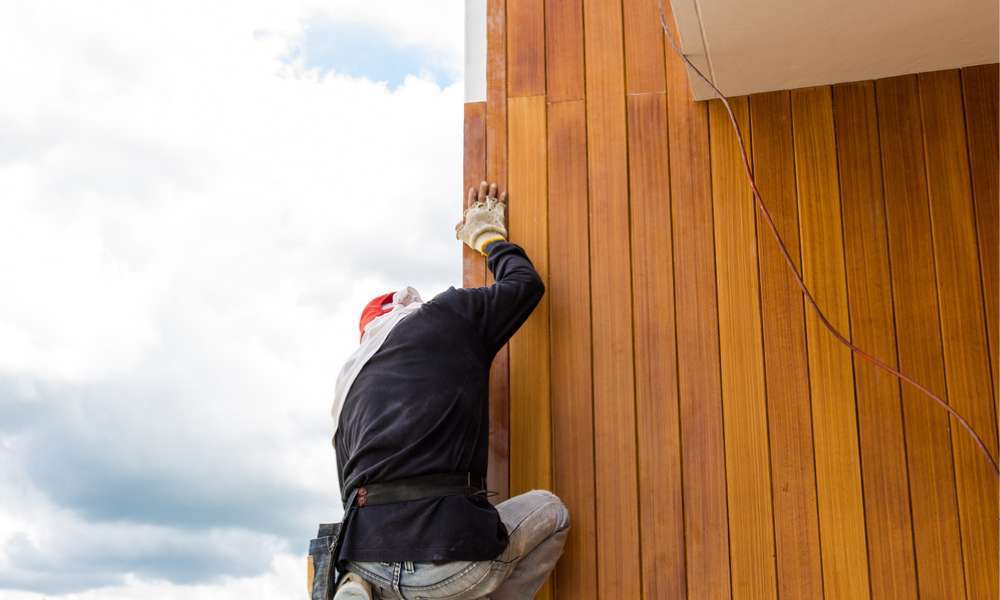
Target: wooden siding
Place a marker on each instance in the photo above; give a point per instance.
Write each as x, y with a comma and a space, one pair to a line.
709, 437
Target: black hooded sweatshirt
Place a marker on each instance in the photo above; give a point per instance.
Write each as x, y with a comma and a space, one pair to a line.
420, 406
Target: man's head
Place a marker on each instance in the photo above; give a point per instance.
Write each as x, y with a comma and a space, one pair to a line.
378, 306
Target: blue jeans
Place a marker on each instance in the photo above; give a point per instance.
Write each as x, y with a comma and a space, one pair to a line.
537, 523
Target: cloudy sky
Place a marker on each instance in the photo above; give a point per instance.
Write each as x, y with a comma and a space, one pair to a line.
196, 199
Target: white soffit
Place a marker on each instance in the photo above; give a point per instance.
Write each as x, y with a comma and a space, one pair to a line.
752, 46
475, 50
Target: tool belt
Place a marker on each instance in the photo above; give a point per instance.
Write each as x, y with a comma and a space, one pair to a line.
324, 570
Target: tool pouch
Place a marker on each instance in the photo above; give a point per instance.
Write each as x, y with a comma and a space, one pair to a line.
324, 555
322, 570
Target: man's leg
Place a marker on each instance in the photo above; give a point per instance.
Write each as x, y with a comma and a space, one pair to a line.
538, 524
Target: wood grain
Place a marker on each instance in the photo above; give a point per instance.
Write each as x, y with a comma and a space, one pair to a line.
979, 86
530, 409
564, 50
618, 569
498, 477
525, 48
644, 71
918, 340
838, 468
793, 480
569, 299
880, 418
473, 171
963, 329
660, 499
744, 403
706, 523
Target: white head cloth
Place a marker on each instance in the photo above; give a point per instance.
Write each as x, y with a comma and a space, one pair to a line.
404, 303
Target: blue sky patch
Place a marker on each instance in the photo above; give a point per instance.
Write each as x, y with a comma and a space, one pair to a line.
363, 51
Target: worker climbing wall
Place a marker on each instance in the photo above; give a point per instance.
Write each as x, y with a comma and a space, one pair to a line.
709, 436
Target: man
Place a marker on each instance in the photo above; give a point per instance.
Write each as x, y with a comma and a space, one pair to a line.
411, 414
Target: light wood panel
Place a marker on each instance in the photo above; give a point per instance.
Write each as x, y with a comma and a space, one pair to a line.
838, 469
498, 477
979, 86
963, 330
748, 469
569, 299
706, 523
660, 500
880, 420
530, 407
618, 572
793, 480
937, 539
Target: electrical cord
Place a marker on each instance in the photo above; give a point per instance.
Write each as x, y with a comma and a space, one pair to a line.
795, 271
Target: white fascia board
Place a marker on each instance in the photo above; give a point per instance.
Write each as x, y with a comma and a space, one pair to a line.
475, 50
692, 42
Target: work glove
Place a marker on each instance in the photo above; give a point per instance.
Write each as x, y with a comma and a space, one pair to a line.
485, 219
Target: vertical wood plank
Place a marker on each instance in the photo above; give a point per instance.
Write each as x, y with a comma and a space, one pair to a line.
564, 50
473, 171
530, 408
793, 484
643, 47
498, 477
918, 340
530, 419
963, 330
569, 299
525, 48
618, 572
838, 469
660, 499
982, 102
880, 418
706, 522
744, 404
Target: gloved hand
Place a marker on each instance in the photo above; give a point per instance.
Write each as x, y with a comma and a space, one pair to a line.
485, 218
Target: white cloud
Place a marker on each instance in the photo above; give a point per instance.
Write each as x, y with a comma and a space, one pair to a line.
191, 226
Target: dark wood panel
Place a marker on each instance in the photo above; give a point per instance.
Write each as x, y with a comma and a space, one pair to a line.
618, 570
569, 299
880, 418
980, 85
793, 479
660, 498
644, 71
963, 330
831, 378
473, 171
744, 404
525, 47
918, 340
564, 50
496, 170
706, 524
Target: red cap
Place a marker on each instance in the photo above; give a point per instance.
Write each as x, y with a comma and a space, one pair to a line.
375, 308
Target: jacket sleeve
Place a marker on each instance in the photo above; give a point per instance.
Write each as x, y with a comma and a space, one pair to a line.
497, 311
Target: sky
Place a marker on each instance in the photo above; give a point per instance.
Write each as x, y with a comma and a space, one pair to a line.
197, 199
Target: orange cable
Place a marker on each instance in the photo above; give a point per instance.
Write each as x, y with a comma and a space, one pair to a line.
795, 271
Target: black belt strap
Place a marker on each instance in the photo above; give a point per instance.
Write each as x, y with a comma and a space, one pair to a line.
416, 488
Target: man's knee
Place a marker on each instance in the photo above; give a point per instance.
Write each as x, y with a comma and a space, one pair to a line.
552, 503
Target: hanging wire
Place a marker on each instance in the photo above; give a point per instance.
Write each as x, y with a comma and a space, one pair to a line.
795, 271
